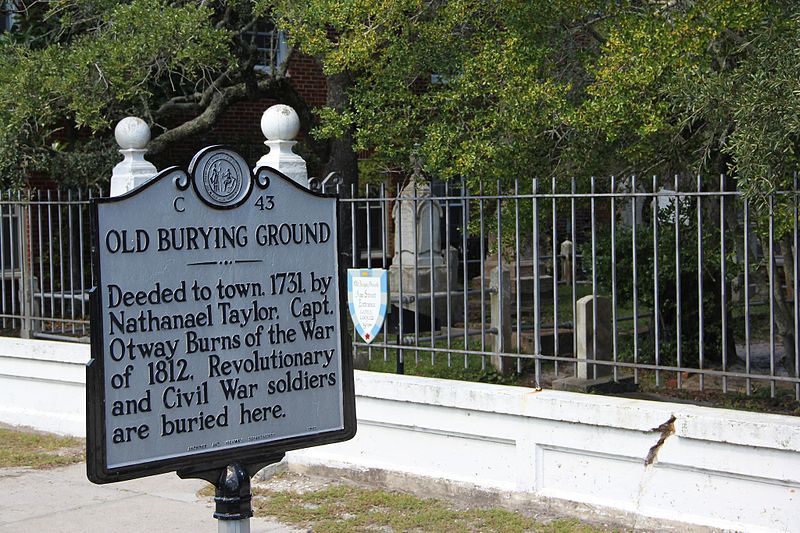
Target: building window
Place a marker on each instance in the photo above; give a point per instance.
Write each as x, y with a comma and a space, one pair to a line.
270, 45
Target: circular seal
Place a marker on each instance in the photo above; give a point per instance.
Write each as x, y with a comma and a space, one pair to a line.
221, 178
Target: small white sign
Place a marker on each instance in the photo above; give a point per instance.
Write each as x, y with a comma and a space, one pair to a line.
367, 294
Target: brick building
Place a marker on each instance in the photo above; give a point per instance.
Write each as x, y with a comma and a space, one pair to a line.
239, 125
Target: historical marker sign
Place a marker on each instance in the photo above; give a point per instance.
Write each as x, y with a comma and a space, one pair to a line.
217, 327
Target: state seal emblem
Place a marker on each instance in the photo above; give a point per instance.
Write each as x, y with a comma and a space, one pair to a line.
221, 178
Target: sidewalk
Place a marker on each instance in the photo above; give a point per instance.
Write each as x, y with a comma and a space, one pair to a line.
62, 500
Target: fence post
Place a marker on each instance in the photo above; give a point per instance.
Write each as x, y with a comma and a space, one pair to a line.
280, 125
132, 135
500, 301
26, 272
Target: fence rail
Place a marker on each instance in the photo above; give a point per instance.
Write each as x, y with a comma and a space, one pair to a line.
45, 263
696, 286
678, 283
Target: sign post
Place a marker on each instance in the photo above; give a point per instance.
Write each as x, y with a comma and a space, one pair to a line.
218, 329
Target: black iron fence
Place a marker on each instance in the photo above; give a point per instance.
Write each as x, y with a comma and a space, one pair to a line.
682, 283
45, 263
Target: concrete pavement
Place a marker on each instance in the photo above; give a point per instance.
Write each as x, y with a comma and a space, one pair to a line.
62, 500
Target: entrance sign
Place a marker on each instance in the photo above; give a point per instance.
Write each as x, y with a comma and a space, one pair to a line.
217, 322
367, 294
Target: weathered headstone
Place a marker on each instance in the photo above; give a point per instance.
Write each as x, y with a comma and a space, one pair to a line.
566, 261
519, 259
630, 208
500, 303
419, 267
591, 346
218, 331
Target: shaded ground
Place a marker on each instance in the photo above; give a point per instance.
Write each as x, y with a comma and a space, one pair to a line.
758, 393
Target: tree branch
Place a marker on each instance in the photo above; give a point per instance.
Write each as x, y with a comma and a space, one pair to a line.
220, 101
179, 103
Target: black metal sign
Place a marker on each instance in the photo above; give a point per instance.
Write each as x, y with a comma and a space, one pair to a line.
217, 322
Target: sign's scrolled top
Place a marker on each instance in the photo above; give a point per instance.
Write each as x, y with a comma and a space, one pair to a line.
217, 321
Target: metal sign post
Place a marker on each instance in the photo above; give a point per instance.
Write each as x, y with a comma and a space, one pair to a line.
218, 327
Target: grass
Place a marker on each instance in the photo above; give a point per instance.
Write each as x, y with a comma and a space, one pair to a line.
38, 450
344, 508
421, 362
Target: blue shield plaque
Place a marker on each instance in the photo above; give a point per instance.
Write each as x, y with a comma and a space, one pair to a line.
367, 294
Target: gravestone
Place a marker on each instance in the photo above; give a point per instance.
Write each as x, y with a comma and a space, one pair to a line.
519, 259
500, 304
591, 345
566, 252
420, 271
585, 379
218, 333
630, 208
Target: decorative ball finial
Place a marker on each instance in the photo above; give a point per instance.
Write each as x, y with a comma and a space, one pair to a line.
132, 132
280, 123
132, 136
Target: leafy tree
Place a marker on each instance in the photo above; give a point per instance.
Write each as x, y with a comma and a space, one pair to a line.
699, 85
490, 91
480, 89
707, 86
72, 68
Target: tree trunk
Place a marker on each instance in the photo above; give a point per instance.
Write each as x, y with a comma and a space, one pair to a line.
341, 158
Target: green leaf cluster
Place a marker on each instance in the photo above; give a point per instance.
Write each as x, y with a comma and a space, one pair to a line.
487, 90
475, 87
110, 67
80, 64
511, 88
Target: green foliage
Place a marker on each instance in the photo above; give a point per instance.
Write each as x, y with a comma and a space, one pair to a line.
677, 276
704, 85
108, 67
483, 90
474, 86
511, 89
76, 67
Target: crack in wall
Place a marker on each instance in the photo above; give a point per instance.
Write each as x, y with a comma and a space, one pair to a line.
666, 429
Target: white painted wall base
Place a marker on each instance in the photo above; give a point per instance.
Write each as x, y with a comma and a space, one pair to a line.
721, 468
43, 385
